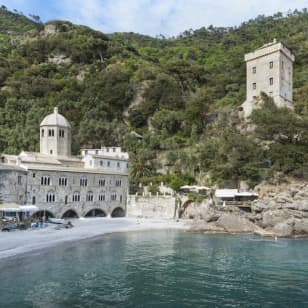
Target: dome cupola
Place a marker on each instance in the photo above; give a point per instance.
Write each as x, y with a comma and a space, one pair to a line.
55, 135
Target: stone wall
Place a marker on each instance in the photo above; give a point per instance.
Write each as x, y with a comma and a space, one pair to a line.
13, 183
151, 207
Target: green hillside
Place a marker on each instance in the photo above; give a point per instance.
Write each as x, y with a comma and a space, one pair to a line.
181, 94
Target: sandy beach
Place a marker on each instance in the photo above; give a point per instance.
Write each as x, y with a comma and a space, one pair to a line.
16, 243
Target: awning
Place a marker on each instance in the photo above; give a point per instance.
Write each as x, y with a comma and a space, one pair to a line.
13, 207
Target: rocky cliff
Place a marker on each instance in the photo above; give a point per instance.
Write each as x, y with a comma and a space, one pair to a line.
281, 211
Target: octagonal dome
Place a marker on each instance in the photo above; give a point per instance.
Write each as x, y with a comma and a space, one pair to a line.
55, 119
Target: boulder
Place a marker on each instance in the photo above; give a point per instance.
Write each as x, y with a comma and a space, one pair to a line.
301, 227
284, 229
235, 224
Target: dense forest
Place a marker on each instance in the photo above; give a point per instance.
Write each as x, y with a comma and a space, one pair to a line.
170, 102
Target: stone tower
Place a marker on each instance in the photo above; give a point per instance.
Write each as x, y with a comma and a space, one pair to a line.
55, 135
269, 69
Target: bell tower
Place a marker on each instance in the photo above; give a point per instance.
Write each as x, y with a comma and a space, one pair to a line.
55, 135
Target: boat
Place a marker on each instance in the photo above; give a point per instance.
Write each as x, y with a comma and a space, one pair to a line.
57, 221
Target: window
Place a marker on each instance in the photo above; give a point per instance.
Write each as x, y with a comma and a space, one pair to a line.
101, 182
33, 200
50, 197
271, 64
127, 165
101, 163
42, 132
33, 174
91, 162
113, 149
19, 180
89, 196
254, 70
83, 181
65, 200
113, 196
45, 180
121, 198
118, 164
96, 152
61, 133
76, 196
50, 151
254, 86
101, 196
118, 182
282, 64
62, 181
271, 81
51, 132
108, 163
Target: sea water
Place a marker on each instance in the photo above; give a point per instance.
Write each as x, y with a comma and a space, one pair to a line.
160, 269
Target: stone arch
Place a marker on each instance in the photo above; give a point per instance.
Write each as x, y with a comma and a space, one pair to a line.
183, 213
70, 214
118, 212
42, 213
95, 213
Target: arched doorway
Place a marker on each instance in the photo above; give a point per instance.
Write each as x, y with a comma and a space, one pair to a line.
118, 212
96, 213
70, 214
41, 214
185, 212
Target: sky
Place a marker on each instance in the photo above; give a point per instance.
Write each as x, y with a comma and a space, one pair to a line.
153, 17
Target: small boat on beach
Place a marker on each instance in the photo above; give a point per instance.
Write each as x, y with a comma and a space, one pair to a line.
58, 221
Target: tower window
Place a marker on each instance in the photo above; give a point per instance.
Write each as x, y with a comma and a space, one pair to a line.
254, 70
271, 64
61, 133
254, 86
42, 132
271, 81
51, 132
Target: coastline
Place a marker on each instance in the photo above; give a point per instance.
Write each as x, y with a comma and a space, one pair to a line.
15, 244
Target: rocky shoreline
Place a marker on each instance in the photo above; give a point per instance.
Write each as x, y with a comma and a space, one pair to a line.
280, 211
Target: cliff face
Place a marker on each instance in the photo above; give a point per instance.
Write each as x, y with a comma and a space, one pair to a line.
281, 211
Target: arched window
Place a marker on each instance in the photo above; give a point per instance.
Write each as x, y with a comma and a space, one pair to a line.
108, 163
101, 163
76, 196
50, 197
45, 180
113, 196
33, 200
118, 182
89, 196
42, 132
62, 181
101, 182
101, 196
83, 181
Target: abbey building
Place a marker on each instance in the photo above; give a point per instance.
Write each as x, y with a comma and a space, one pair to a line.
62, 185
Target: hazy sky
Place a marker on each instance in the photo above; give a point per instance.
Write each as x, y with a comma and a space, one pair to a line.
153, 17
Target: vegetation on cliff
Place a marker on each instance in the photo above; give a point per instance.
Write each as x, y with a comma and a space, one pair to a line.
180, 94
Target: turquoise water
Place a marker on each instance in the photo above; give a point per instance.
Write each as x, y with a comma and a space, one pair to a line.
161, 269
